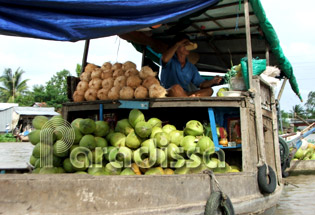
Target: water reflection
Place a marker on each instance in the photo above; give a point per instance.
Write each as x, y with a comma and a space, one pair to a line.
298, 197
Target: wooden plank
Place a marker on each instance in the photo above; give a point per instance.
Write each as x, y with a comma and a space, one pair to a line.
81, 106
72, 83
244, 117
276, 137
259, 122
15, 155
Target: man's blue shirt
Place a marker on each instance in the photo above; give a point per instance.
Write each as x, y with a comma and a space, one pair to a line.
172, 74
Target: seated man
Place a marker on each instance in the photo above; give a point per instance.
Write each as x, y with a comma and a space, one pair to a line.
178, 74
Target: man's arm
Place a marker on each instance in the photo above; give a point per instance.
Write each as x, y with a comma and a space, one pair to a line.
169, 53
209, 83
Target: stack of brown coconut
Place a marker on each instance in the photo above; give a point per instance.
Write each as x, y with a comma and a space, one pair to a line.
117, 81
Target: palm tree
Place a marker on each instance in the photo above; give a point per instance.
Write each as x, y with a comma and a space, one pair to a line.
297, 110
12, 84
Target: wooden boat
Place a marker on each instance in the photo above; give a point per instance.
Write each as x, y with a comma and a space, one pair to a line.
245, 192
175, 194
298, 167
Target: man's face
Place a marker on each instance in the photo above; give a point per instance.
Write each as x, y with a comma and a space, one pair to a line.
182, 50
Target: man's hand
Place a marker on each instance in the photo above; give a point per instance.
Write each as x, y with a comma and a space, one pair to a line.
213, 82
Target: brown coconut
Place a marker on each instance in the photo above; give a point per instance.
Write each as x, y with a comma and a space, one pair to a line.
131, 71
118, 72
157, 91
149, 81
102, 94
96, 73
90, 67
78, 96
113, 93
107, 65
116, 66
108, 83
126, 93
90, 94
86, 76
141, 92
120, 81
107, 73
146, 71
133, 81
128, 64
95, 83
82, 86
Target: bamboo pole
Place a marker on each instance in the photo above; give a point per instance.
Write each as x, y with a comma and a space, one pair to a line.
248, 43
254, 86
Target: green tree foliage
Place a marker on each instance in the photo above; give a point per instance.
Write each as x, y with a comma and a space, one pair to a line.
78, 70
298, 110
25, 99
285, 119
56, 90
39, 93
12, 85
310, 105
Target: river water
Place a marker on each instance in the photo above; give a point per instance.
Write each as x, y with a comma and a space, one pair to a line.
298, 197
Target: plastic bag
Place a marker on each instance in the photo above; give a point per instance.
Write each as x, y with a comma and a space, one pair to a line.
259, 66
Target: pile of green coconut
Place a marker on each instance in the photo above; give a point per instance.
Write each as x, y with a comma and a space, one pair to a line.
134, 146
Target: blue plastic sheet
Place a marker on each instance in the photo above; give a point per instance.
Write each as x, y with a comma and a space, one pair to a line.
75, 20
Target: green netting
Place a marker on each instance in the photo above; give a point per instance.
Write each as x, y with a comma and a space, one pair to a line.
274, 43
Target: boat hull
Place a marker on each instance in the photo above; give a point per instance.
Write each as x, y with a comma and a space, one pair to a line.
168, 194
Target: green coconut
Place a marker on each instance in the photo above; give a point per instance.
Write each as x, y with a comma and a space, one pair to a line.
34, 136
194, 128
123, 126
101, 128
88, 141
39, 121
87, 126
135, 116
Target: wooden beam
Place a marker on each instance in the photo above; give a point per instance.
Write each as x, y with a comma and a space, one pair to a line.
225, 5
231, 16
217, 51
219, 29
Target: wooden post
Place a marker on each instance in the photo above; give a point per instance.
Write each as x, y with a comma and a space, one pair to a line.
143, 55
248, 44
282, 88
85, 55
267, 55
275, 137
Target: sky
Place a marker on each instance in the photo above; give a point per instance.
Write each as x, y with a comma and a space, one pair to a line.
41, 59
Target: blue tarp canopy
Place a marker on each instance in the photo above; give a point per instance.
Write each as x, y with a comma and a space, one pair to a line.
73, 20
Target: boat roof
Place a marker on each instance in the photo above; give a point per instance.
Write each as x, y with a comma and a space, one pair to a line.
218, 26
35, 111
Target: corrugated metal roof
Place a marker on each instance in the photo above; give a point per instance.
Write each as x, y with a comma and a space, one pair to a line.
4, 106
47, 111
6, 118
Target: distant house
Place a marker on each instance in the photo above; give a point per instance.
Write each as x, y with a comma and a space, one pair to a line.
298, 124
6, 110
21, 117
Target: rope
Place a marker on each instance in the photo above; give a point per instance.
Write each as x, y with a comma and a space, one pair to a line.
213, 179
